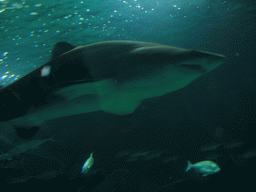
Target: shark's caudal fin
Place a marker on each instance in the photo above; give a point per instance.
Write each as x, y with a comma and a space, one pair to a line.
60, 48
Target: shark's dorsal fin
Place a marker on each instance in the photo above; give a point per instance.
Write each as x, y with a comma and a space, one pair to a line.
60, 48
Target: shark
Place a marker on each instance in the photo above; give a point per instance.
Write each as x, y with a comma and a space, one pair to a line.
23, 147
112, 76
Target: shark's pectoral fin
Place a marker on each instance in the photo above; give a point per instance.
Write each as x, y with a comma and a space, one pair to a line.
116, 99
77, 90
119, 106
110, 95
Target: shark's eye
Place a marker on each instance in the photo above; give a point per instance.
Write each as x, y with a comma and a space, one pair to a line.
193, 67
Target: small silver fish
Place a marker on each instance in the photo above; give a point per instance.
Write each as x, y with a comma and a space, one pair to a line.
88, 164
204, 167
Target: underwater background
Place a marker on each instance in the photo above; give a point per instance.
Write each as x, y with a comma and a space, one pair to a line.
213, 118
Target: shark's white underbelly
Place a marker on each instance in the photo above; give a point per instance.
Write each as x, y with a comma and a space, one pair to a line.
109, 95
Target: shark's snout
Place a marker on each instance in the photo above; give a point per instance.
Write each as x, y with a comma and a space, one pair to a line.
209, 61
201, 61
215, 60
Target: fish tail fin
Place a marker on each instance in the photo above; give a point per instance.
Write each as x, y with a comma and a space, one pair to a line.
189, 166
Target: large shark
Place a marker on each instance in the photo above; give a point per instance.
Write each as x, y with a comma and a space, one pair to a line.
112, 76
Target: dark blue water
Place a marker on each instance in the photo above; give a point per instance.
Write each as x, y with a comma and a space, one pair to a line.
211, 119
